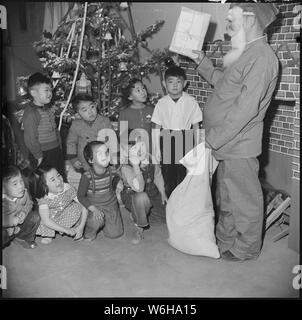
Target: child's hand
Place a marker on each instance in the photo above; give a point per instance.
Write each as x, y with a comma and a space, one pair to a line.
78, 233
164, 198
98, 215
14, 221
16, 229
77, 164
133, 155
39, 161
70, 231
21, 216
119, 187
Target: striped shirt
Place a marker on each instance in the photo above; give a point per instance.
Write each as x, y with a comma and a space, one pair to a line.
96, 188
40, 130
47, 130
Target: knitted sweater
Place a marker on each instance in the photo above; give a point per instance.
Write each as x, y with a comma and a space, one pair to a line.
40, 130
11, 207
95, 189
80, 133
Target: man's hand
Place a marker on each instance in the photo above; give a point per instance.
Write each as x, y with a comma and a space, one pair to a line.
200, 56
207, 145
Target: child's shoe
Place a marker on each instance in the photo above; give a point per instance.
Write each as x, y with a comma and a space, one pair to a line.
138, 235
46, 240
89, 239
26, 244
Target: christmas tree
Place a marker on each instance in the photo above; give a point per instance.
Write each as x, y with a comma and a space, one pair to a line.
89, 53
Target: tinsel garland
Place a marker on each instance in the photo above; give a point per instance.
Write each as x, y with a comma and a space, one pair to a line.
118, 63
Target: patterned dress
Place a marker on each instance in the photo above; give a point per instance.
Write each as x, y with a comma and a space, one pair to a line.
64, 210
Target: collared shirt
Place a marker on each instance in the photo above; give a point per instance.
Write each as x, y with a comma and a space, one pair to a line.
234, 113
180, 115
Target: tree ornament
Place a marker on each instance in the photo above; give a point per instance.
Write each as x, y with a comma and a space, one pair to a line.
124, 5
56, 75
85, 47
108, 36
122, 66
22, 91
104, 52
169, 62
83, 85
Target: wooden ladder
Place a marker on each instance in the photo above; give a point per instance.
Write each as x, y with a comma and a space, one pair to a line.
275, 209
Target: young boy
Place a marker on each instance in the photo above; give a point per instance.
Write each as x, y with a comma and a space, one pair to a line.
177, 112
41, 135
84, 130
19, 222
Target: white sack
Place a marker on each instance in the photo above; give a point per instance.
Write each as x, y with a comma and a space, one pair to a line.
189, 211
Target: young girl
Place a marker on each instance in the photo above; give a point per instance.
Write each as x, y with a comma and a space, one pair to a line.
143, 189
59, 207
137, 113
96, 193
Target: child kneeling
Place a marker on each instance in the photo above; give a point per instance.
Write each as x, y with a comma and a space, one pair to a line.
59, 207
19, 221
143, 190
96, 193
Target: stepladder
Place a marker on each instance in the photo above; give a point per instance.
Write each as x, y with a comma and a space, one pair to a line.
279, 210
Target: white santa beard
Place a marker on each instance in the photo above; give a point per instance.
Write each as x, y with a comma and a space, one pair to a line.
238, 45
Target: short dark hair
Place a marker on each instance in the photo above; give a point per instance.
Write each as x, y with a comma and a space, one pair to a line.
126, 91
175, 71
79, 98
9, 172
37, 183
88, 150
37, 78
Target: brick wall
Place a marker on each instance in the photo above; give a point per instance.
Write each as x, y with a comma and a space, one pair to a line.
283, 117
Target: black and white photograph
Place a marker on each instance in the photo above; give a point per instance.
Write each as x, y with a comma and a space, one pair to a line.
150, 150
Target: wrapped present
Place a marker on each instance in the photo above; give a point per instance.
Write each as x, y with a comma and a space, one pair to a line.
190, 32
